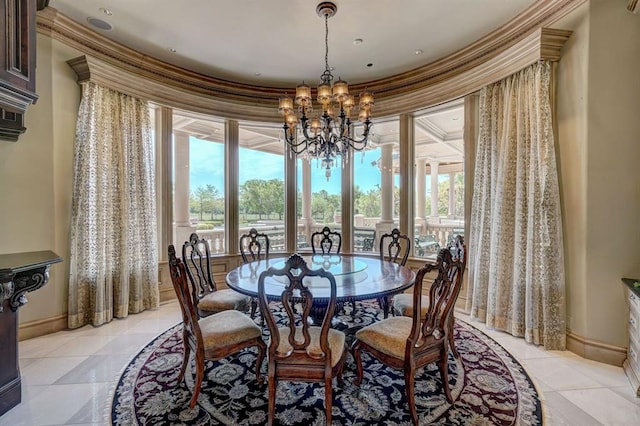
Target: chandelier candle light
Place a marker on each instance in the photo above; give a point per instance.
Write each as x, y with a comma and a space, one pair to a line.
331, 133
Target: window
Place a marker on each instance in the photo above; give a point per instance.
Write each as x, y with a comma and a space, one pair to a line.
376, 187
199, 203
199, 183
319, 199
261, 180
439, 165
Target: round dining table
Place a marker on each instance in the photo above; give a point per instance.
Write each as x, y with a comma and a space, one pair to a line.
357, 278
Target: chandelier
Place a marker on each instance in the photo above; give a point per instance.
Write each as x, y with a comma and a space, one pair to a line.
330, 133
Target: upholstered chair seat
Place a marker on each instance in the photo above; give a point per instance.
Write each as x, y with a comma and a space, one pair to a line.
388, 336
336, 343
222, 300
227, 328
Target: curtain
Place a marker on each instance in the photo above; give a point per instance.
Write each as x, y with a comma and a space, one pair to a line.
113, 241
516, 248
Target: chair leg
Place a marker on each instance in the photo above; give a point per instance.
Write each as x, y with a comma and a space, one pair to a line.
355, 350
185, 359
456, 354
262, 348
384, 303
254, 307
199, 377
338, 373
272, 397
409, 380
443, 366
328, 399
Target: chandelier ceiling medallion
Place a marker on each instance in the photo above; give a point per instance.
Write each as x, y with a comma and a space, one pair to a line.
331, 133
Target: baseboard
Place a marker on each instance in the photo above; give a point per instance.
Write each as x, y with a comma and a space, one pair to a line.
595, 350
41, 327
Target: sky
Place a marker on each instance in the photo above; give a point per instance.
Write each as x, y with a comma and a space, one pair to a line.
206, 161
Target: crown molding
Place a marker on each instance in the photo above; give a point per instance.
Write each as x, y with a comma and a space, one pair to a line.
633, 6
519, 43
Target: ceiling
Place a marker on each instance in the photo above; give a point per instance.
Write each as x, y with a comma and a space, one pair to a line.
280, 43
283, 40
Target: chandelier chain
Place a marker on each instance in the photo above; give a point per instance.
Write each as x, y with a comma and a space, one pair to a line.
331, 134
326, 43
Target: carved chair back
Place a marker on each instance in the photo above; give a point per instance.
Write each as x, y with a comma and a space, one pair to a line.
191, 333
254, 246
296, 273
196, 257
326, 241
433, 329
394, 247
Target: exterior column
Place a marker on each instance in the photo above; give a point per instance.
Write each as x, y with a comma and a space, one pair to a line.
434, 188
306, 220
385, 225
421, 177
231, 190
452, 195
386, 177
182, 220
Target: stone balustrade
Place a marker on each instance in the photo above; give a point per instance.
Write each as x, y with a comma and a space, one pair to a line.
434, 232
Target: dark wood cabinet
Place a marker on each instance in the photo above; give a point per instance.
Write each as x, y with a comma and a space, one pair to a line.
19, 273
17, 64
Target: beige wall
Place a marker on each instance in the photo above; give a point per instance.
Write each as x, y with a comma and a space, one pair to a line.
36, 177
599, 144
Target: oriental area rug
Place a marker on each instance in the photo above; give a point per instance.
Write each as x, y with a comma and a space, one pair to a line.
489, 387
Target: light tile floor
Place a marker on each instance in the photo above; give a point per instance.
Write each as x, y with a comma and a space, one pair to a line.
68, 377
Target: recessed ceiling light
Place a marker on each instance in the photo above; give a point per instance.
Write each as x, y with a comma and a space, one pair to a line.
99, 23
357, 41
455, 118
171, 49
257, 74
106, 11
419, 52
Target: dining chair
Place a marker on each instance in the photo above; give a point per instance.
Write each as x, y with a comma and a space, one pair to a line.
326, 241
213, 337
403, 303
410, 343
394, 247
254, 246
297, 350
196, 257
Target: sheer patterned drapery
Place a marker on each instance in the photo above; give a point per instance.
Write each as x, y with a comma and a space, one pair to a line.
516, 245
113, 254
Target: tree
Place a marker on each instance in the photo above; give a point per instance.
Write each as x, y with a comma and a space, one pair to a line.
324, 205
204, 200
258, 196
458, 196
368, 204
